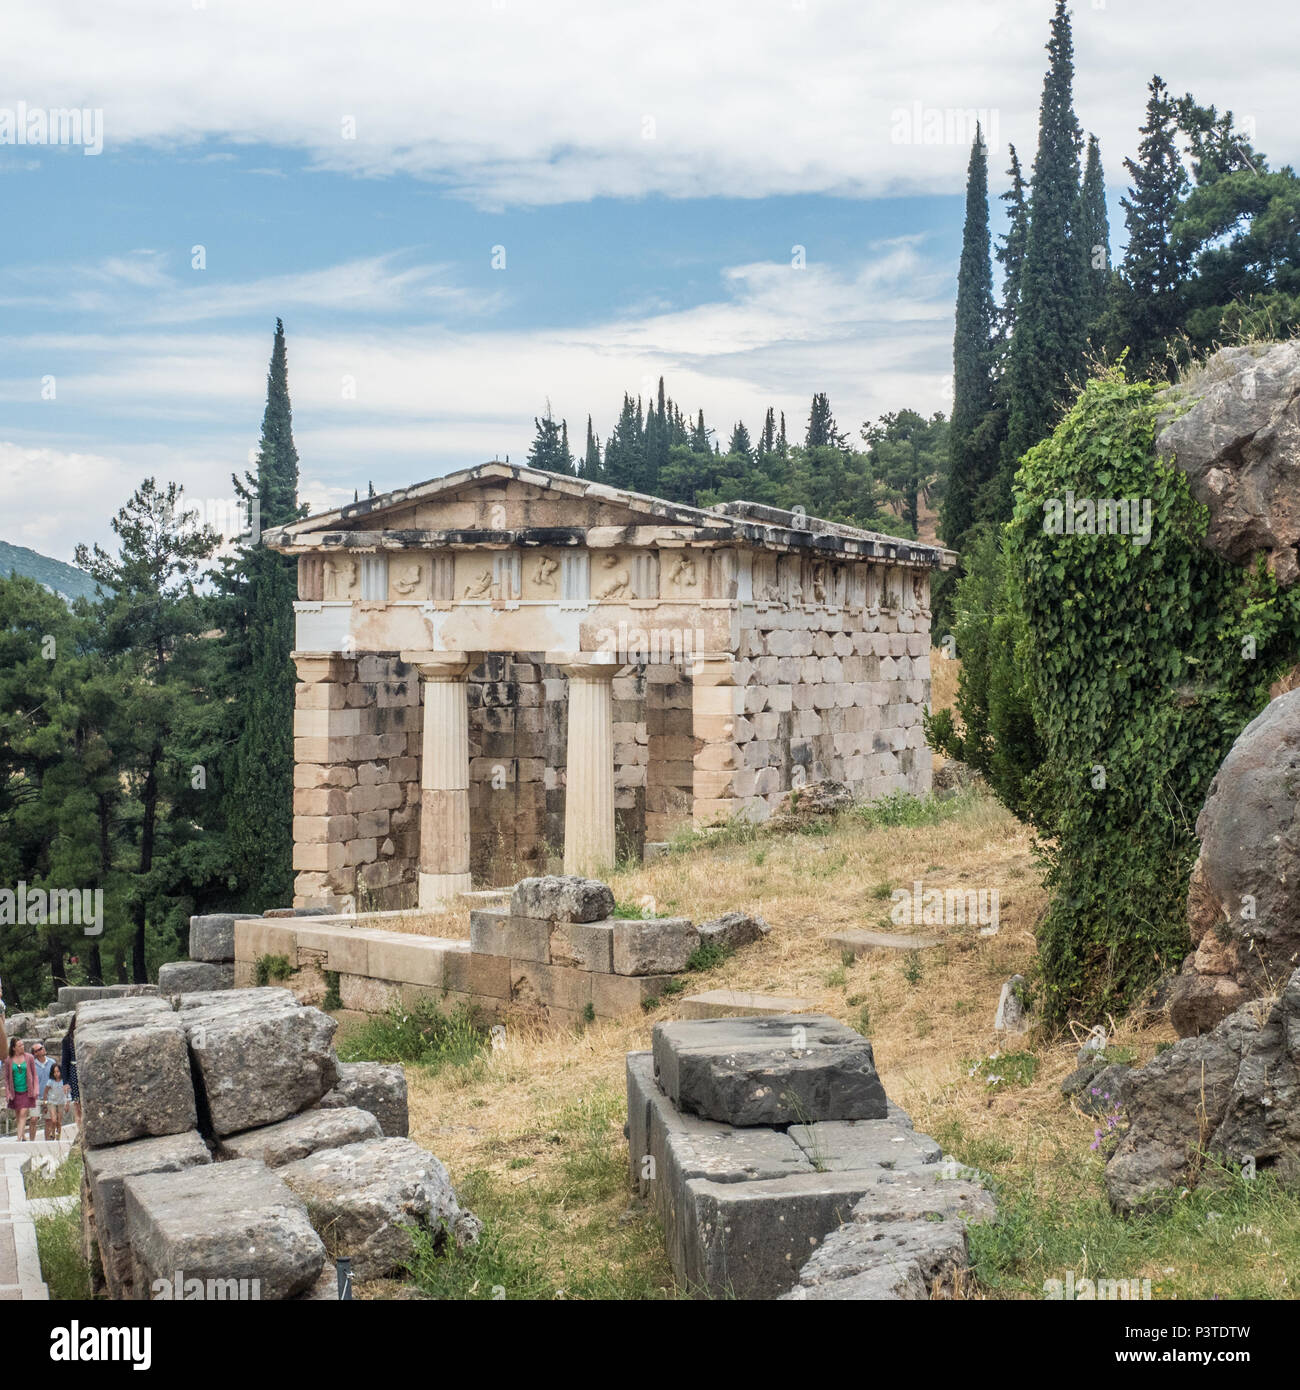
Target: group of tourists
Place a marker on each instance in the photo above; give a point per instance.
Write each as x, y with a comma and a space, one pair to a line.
40, 1090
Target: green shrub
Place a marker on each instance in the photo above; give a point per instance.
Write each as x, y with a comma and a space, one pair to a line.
420, 1035
1144, 662
332, 1000
268, 968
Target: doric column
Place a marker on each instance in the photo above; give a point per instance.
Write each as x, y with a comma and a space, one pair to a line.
589, 766
444, 778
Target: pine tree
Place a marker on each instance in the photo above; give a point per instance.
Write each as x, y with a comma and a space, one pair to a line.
1094, 237
821, 423
1047, 349
740, 444
972, 461
699, 440
1149, 294
549, 450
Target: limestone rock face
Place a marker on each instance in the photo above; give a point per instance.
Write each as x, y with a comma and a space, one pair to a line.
1244, 898
259, 1055
1235, 431
225, 1222
562, 898
134, 1071
365, 1196
1174, 1104
377, 1087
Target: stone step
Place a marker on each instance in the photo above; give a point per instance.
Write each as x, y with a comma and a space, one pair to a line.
724, 1003
861, 942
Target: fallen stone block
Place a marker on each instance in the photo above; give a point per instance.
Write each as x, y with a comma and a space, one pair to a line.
653, 945
302, 1135
733, 930
376, 1087
212, 937
739, 1003
133, 1068
932, 1193
885, 1260
859, 943
106, 1172
364, 1197
231, 1225
259, 1055
562, 898
192, 976
835, 1146
70, 996
786, 1069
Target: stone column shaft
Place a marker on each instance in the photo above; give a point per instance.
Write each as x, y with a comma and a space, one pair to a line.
444, 780
589, 770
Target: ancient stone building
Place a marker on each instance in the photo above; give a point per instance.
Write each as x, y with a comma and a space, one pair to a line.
503, 667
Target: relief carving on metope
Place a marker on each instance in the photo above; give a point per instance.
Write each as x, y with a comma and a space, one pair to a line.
542, 576
409, 578
790, 569
612, 579
817, 583
767, 588
873, 591
921, 593
683, 576
342, 577
473, 576
311, 578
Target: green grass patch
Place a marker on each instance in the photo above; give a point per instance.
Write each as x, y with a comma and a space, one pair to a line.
708, 955
420, 1035
268, 968
1002, 1069
65, 1182
58, 1239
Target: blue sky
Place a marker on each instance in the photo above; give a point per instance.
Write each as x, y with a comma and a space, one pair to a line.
648, 171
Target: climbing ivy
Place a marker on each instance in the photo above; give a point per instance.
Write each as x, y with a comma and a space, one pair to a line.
1143, 663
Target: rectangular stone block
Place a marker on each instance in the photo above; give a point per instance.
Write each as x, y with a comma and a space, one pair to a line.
133, 1068
408, 959
527, 938
587, 945
478, 974
212, 937
615, 996
487, 930
653, 945
226, 1223
187, 976
783, 1069
533, 984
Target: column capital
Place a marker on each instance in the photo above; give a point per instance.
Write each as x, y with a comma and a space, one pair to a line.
591, 666
438, 666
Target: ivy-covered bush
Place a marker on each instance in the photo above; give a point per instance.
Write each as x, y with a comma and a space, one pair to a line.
1143, 662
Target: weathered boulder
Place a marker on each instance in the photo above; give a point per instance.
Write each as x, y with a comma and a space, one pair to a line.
653, 945
1173, 1105
732, 930
377, 1087
133, 1068
212, 937
808, 802
1234, 429
225, 1225
1244, 898
867, 1260
106, 1173
259, 1055
562, 898
302, 1135
193, 976
1260, 1128
363, 1198
774, 1070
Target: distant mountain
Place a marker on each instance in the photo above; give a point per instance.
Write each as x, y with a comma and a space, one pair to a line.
65, 580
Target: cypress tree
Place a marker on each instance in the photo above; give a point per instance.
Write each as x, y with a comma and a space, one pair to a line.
740, 441
1149, 297
1094, 229
591, 467
260, 592
971, 460
767, 440
1011, 250
821, 423
782, 444
1047, 349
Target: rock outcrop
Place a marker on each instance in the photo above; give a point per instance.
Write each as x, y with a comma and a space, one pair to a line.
1244, 899
1234, 429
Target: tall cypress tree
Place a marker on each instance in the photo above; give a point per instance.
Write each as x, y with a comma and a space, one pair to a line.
1094, 237
971, 459
1011, 248
591, 458
1047, 349
1149, 294
767, 440
258, 592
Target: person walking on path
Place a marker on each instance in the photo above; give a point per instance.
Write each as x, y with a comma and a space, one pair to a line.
20, 1086
54, 1099
69, 1062
43, 1065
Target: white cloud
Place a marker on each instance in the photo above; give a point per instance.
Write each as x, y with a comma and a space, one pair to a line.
508, 102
